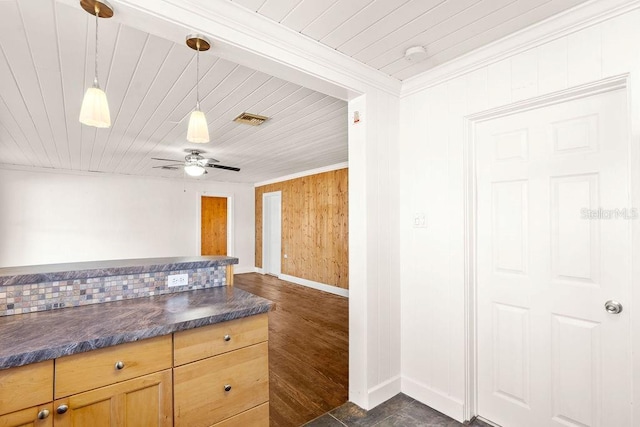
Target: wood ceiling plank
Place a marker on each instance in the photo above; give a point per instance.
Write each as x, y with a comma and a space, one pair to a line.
175, 106
161, 89
396, 42
128, 52
365, 18
306, 12
71, 28
252, 5
501, 24
219, 123
277, 9
213, 91
235, 94
152, 59
11, 151
319, 112
256, 135
109, 32
334, 17
439, 31
399, 18
297, 99
41, 33
21, 86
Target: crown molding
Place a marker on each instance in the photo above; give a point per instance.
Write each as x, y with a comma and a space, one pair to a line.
255, 41
557, 26
316, 171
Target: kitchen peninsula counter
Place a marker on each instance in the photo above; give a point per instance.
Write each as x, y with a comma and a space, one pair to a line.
34, 337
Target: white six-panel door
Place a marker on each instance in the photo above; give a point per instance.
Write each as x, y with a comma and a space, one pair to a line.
553, 245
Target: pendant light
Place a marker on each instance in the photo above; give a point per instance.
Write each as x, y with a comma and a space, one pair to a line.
198, 130
95, 108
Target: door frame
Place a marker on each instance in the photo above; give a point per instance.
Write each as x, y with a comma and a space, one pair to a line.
622, 81
230, 230
264, 222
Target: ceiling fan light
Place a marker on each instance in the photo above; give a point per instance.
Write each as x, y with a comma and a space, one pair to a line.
95, 108
198, 131
194, 170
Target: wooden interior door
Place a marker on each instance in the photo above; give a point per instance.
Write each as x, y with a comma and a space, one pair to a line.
213, 239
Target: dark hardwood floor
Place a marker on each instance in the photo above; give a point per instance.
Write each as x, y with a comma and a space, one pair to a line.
308, 349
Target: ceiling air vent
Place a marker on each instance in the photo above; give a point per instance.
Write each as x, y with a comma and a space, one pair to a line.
251, 119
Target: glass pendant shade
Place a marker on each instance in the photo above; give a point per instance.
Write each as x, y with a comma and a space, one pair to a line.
194, 170
198, 130
95, 108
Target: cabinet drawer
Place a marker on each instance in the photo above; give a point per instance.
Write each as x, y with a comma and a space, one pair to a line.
97, 368
26, 386
256, 417
207, 341
29, 417
199, 388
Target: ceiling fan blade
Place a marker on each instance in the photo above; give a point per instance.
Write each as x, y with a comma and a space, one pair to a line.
171, 167
167, 160
228, 168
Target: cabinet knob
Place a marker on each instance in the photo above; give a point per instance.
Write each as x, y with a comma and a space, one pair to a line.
62, 409
43, 414
119, 365
227, 387
227, 337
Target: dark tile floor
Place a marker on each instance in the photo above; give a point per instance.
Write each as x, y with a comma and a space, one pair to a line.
399, 411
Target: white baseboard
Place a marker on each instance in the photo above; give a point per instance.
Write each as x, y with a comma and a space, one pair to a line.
434, 399
241, 270
316, 285
385, 391
258, 270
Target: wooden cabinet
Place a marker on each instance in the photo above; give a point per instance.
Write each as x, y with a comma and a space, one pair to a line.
223, 373
26, 393
145, 401
98, 368
215, 375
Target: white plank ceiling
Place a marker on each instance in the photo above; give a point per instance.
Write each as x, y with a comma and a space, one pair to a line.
46, 63
378, 32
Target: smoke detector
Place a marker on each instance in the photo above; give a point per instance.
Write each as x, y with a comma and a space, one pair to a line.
415, 54
251, 119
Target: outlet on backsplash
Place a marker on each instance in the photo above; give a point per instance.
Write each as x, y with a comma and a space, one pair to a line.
178, 280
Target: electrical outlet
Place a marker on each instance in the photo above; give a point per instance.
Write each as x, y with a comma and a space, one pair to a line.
177, 280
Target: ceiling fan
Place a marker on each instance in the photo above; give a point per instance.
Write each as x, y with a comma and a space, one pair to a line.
194, 164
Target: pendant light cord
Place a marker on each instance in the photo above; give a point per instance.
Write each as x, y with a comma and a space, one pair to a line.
198, 74
95, 79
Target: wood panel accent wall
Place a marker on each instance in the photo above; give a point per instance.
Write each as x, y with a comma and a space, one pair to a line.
315, 227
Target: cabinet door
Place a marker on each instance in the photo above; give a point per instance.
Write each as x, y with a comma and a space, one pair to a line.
144, 402
29, 417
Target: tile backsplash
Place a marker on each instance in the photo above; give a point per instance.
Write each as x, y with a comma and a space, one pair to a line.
27, 298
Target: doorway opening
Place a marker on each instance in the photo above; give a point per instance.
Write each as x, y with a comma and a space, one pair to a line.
272, 233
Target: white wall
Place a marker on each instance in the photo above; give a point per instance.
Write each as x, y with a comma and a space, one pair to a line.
374, 250
51, 217
431, 160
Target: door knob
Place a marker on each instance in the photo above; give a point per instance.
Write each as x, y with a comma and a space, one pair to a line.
43, 414
62, 409
613, 307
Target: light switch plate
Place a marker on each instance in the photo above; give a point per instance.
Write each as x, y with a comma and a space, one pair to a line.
419, 220
177, 280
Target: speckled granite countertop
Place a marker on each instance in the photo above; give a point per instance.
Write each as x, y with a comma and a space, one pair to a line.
83, 270
33, 337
